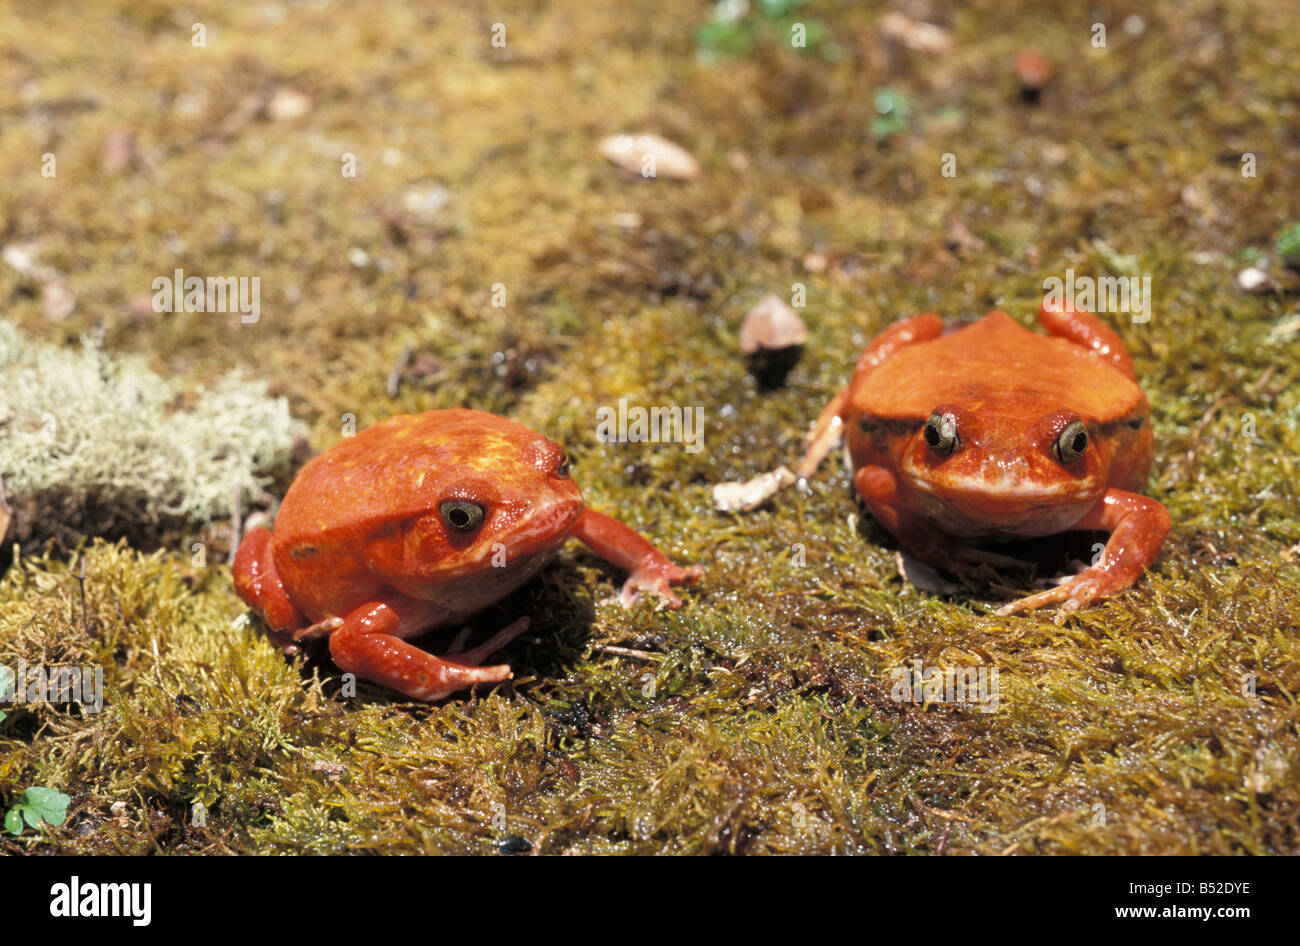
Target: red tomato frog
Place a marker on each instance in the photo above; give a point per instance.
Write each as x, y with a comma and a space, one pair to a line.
994, 432
415, 524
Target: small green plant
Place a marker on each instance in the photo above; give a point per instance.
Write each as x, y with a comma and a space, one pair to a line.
733, 31
726, 39
1288, 245
38, 804
779, 9
895, 114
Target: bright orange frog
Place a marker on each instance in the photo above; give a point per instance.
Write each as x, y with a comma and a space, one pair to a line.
416, 523
995, 432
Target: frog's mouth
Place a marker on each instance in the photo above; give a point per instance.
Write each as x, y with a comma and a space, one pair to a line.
1003, 509
481, 585
1006, 489
1002, 493
544, 529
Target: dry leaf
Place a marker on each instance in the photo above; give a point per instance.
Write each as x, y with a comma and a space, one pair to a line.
742, 497
650, 156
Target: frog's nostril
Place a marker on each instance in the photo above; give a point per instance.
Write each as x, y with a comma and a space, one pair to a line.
1006, 465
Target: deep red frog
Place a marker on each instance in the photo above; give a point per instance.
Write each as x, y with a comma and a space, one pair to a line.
995, 432
417, 523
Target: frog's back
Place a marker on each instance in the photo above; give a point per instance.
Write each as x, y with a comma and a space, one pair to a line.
995, 363
396, 471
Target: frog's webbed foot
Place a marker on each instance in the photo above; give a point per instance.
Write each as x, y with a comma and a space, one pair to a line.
657, 580
1138, 525
649, 570
1077, 591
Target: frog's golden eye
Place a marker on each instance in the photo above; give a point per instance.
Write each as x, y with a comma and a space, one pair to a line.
941, 434
563, 469
1071, 442
461, 515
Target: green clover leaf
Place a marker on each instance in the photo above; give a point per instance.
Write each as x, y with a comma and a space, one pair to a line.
38, 804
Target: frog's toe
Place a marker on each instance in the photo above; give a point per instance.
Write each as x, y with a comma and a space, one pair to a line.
1068, 608
285, 642
1037, 600
1083, 591
684, 576
319, 629
657, 580
1070, 605
489, 647
655, 586
1073, 592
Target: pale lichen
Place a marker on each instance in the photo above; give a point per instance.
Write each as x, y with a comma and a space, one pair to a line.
93, 444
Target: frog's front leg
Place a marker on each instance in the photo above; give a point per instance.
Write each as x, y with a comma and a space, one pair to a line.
827, 431
370, 644
1138, 525
648, 569
258, 581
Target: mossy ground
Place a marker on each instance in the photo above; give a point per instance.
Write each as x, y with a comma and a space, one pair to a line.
770, 725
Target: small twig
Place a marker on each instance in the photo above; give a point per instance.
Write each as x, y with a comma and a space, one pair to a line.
395, 376
1285, 328
1263, 379
1208, 417
81, 580
626, 652
943, 839
1198, 433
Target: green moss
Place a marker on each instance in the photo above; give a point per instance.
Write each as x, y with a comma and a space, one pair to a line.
759, 717
1288, 244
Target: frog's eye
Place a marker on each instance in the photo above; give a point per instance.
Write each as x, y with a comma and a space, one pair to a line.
1071, 442
941, 434
461, 515
563, 469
